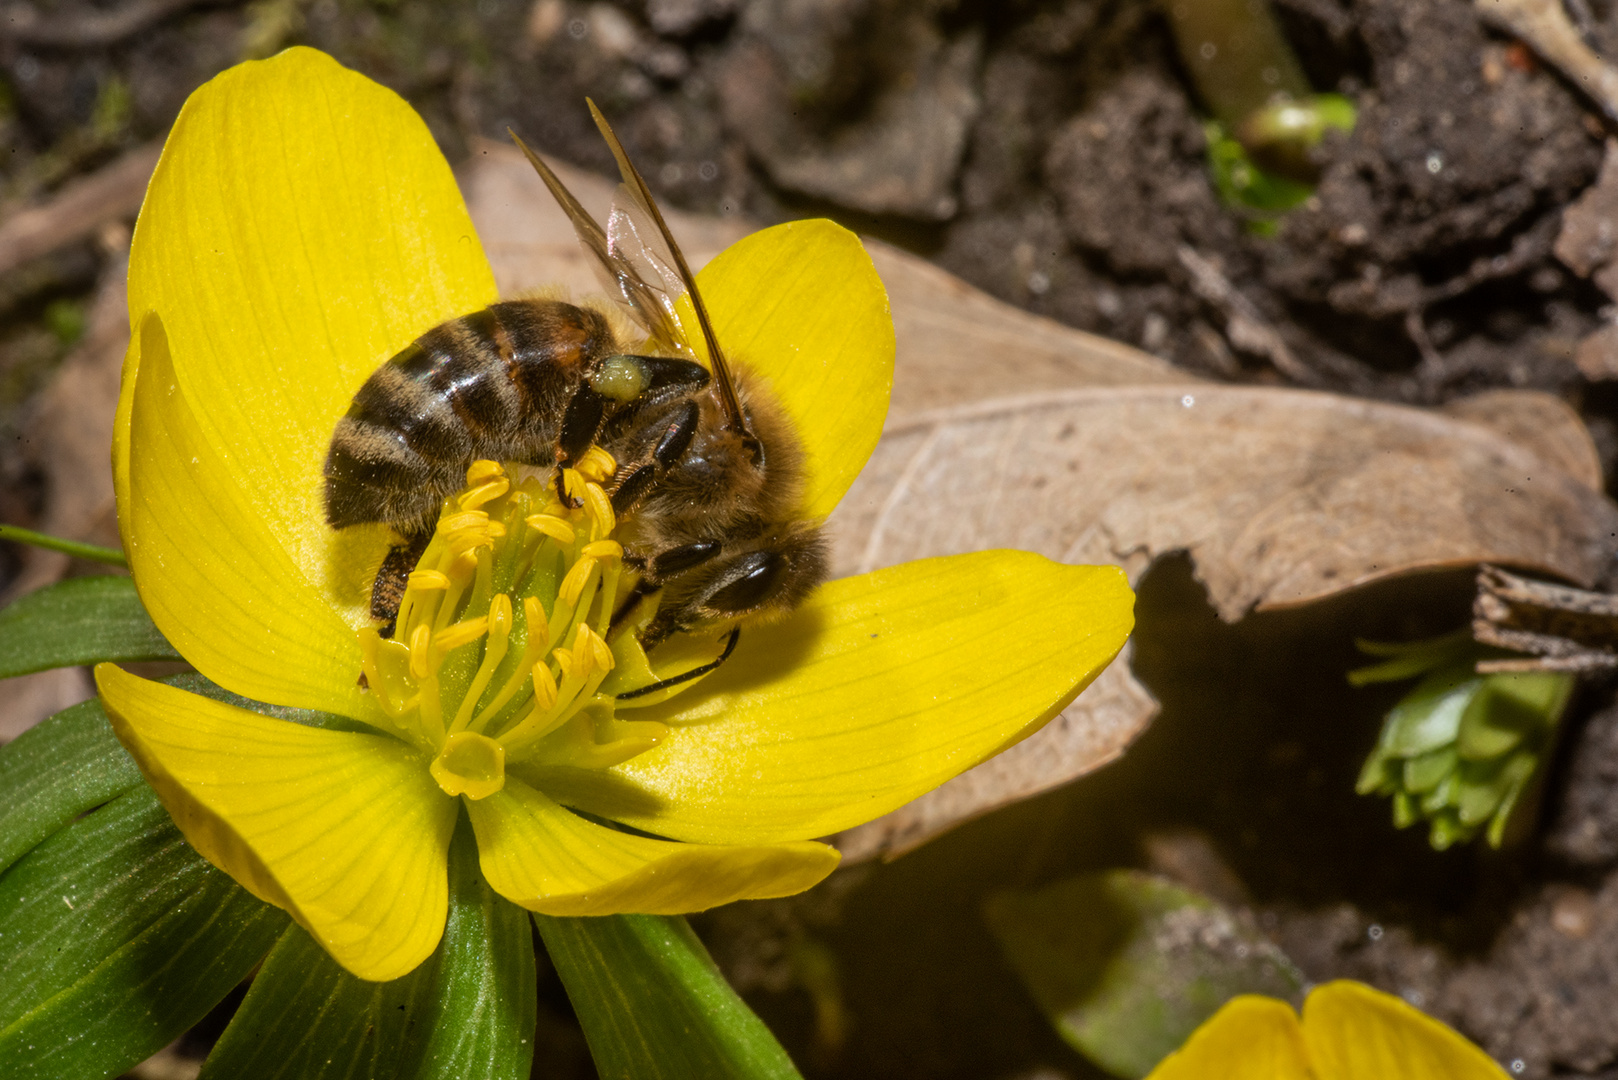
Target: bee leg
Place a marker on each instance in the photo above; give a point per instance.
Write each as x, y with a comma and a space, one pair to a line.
643, 588
580, 422
680, 430
657, 569
694, 673
387, 592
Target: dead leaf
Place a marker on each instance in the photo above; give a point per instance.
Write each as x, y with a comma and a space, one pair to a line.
1540, 422
1280, 496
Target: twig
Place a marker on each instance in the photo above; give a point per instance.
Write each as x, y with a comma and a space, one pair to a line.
23, 25
1544, 25
1562, 628
1583, 18
1245, 326
79, 209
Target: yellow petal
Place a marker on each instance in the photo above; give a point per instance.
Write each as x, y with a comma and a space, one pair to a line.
300, 228
878, 689
801, 305
1249, 1038
120, 432
1354, 1032
345, 831
214, 579
546, 859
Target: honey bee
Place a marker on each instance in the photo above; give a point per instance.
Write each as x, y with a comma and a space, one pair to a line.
710, 469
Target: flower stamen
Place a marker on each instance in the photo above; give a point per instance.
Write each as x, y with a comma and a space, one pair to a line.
502, 632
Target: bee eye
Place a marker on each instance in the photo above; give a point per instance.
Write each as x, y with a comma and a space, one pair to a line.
749, 581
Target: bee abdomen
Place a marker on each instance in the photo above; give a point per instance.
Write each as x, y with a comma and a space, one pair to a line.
489, 385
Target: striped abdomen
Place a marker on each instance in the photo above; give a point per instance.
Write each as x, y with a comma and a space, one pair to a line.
492, 384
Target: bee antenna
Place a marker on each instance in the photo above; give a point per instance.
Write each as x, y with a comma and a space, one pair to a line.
728, 400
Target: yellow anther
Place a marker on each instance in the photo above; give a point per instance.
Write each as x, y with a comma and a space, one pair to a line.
597, 464
500, 617
604, 549
463, 563
462, 521
572, 483
544, 687
420, 638
577, 577
534, 612
453, 682
552, 526
483, 493
427, 580
455, 635
586, 660
482, 470
465, 541
600, 653
599, 507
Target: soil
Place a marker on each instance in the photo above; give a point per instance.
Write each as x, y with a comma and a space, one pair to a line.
1051, 152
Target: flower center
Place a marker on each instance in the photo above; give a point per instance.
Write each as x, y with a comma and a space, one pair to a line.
501, 649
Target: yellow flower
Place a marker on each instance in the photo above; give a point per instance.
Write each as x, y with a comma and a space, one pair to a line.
300, 229
1348, 1032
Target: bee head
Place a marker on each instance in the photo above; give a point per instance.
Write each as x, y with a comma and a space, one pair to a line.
757, 581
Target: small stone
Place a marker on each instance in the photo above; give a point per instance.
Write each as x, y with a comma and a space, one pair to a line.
1573, 913
1597, 355
1589, 235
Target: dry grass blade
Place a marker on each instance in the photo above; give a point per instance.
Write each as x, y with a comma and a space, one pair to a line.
87, 29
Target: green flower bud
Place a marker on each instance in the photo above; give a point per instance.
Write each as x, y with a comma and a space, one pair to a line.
1460, 748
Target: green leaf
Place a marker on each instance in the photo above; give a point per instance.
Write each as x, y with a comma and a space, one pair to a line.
1425, 772
1428, 717
467, 1013
54, 772
79, 621
654, 1005
115, 936
73, 762
1126, 966
1513, 707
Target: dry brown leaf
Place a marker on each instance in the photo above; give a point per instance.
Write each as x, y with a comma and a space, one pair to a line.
1280, 496
1540, 422
1008, 430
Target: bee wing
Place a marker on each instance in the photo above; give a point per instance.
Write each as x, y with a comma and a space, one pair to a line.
638, 252
625, 272
636, 216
